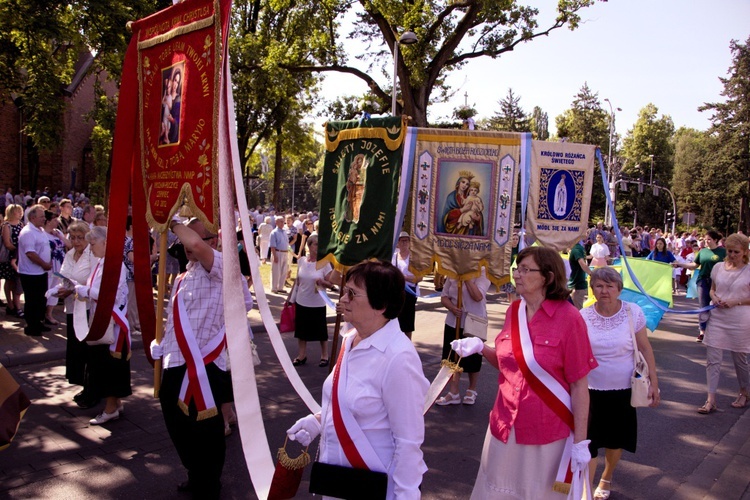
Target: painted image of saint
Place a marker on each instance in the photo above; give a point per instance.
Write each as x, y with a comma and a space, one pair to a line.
561, 198
171, 104
450, 221
355, 187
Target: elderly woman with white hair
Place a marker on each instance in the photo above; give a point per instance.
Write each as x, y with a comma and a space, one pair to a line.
109, 363
264, 237
612, 324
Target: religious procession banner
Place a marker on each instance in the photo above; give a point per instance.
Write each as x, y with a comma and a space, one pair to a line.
359, 201
464, 202
562, 174
179, 66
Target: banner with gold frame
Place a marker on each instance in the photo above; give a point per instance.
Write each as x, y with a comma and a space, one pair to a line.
179, 67
464, 202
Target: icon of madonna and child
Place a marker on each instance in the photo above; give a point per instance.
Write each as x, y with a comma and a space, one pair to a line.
463, 210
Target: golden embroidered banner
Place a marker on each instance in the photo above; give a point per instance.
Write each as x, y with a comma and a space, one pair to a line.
562, 175
464, 202
179, 66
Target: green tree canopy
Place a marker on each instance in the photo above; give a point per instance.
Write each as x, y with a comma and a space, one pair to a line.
731, 127
510, 117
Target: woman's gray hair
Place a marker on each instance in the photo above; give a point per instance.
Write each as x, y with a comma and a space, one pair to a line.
607, 275
97, 233
313, 238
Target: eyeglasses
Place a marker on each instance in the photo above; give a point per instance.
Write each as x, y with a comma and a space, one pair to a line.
523, 270
350, 294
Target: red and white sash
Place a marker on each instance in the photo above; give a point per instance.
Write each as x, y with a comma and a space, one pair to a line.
195, 385
551, 392
357, 448
118, 323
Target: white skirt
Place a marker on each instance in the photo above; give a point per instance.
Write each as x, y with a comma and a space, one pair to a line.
517, 471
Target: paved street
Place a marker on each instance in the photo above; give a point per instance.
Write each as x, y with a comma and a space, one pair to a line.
681, 454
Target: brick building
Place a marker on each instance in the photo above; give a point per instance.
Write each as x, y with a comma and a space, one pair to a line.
70, 166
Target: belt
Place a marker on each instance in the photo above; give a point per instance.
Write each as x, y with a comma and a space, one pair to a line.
280, 250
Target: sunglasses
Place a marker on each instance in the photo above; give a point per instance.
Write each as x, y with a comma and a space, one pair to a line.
350, 294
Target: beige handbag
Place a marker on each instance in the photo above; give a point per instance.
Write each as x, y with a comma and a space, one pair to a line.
475, 326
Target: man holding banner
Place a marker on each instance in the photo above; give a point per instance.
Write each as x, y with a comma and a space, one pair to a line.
195, 382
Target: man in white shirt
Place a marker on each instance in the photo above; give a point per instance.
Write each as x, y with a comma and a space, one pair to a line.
279, 246
34, 260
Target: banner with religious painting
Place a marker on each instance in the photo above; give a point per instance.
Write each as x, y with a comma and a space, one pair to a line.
359, 200
464, 202
562, 175
179, 66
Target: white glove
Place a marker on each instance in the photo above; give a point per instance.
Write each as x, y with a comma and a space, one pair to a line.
304, 430
82, 291
468, 346
580, 456
157, 351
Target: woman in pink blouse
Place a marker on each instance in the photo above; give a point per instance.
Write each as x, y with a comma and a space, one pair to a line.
544, 356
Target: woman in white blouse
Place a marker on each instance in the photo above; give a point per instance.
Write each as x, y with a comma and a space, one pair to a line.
599, 252
77, 266
110, 363
612, 421
264, 238
310, 318
378, 383
401, 260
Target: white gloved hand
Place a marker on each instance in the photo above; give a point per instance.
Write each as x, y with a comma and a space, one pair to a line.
157, 351
468, 346
304, 430
82, 291
580, 456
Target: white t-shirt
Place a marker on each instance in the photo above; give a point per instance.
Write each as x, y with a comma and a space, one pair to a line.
32, 239
306, 293
612, 345
403, 266
469, 305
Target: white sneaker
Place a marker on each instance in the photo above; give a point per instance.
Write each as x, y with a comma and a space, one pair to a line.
104, 417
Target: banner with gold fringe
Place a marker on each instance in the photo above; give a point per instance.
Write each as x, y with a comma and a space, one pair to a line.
464, 202
562, 175
361, 189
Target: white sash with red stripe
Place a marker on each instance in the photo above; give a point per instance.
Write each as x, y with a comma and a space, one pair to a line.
547, 387
195, 385
121, 329
357, 448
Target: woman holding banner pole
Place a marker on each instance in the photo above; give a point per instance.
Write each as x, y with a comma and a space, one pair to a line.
537, 430
462, 298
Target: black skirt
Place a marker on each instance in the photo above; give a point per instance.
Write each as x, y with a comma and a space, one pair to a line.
76, 356
613, 423
470, 364
109, 376
408, 312
310, 324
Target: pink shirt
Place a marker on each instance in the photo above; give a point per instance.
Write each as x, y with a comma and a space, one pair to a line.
561, 346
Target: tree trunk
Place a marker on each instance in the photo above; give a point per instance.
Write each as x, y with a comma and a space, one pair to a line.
277, 169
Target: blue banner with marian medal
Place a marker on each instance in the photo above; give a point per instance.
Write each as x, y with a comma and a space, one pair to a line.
562, 175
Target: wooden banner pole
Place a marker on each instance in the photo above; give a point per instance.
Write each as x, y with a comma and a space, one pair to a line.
335, 344
160, 290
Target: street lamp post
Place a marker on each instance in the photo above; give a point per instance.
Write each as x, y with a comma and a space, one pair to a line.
651, 181
607, 215
407, 38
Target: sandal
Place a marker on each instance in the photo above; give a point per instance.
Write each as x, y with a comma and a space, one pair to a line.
470, 397
299, 362
707, 408
449, 399
741, 401
600, 493
323, 363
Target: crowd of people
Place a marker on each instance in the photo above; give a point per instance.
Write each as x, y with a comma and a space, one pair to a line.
563, 389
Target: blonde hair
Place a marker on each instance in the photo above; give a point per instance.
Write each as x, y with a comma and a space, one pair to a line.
741, 241
474, 184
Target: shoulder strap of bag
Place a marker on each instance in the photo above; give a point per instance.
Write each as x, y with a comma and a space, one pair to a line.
360, 455
632, 334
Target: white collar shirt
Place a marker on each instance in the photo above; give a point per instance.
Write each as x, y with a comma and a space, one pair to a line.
32, 239
77, 270
385, 393
202, 294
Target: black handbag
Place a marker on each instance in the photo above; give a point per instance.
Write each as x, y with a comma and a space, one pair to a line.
346, 482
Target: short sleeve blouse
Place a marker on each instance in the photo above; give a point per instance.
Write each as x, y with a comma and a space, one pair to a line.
612, 344
307, 290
